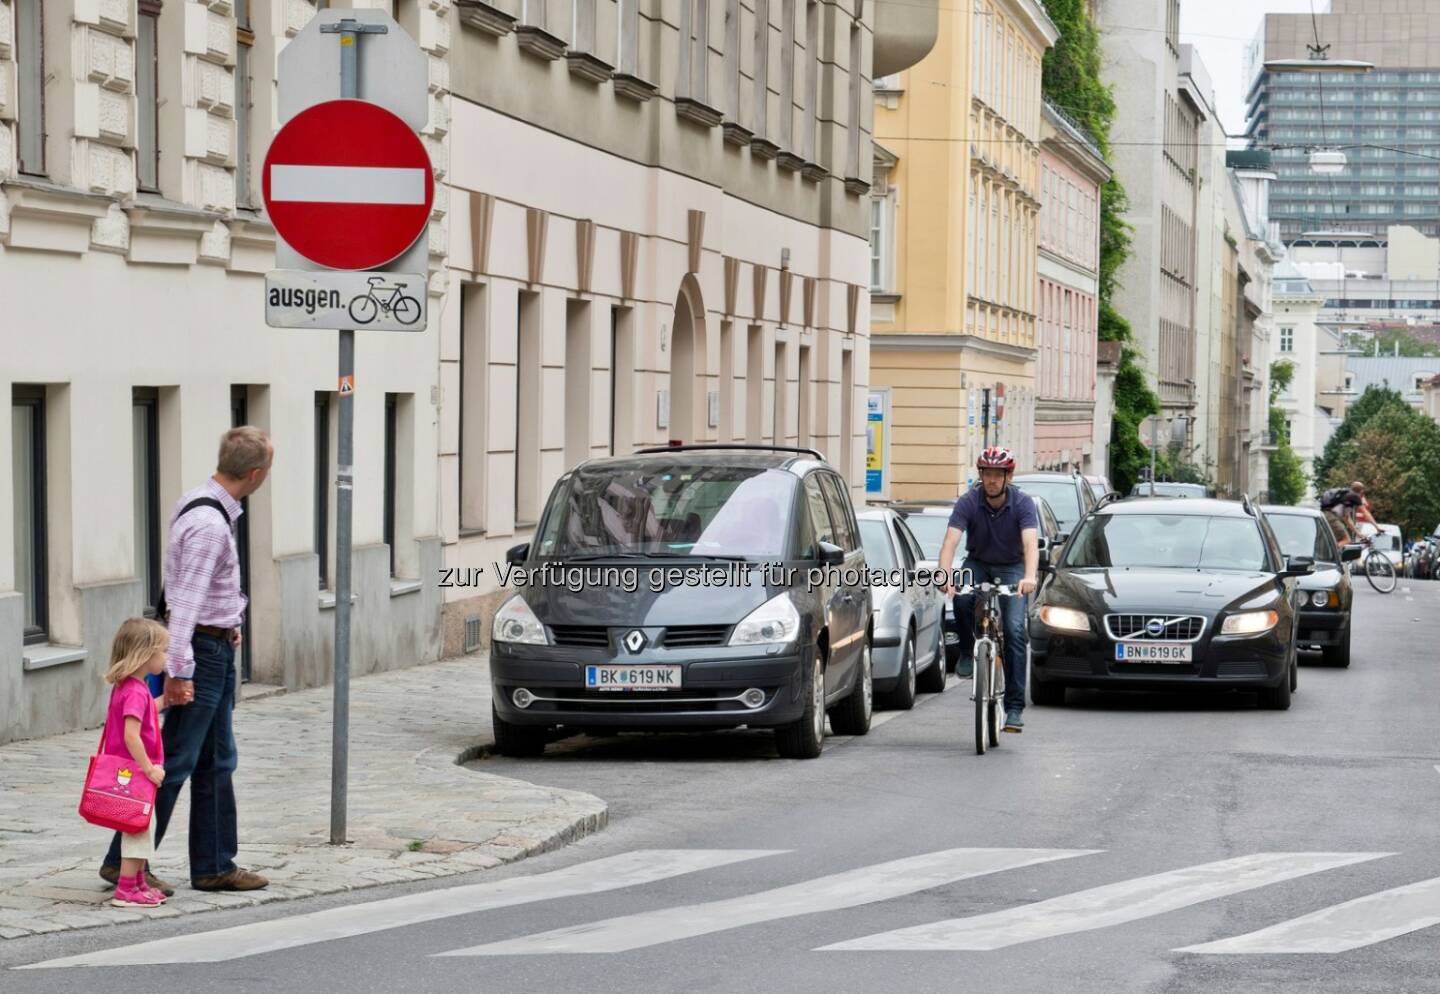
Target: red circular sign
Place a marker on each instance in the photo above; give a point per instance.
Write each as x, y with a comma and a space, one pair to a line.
348, 185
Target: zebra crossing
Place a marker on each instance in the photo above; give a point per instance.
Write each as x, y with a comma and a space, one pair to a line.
1354, 924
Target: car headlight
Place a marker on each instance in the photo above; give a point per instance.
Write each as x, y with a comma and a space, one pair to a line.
516, 623
1066, 619
773, 623
1320, 598
1249, 623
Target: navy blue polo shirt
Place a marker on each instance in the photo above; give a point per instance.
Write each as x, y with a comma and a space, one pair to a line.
992, 535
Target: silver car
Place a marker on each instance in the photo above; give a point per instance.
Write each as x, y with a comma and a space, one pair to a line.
907, 649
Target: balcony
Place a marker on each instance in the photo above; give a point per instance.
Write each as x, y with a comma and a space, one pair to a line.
904, 34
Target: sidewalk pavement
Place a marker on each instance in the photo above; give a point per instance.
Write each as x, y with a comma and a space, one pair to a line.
413, 811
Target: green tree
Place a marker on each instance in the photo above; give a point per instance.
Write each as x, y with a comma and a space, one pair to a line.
1397, 454
1372, 402
1287, 473
1072, 80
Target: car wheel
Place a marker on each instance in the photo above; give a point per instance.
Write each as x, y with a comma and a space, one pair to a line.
932, 681
902, 698
517, 741
803, 739
1277, 698
1338, 654
1046, 694
852, 715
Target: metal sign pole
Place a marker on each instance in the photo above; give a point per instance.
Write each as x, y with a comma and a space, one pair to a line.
349, 31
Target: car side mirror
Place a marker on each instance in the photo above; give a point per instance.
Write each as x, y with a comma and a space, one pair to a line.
1299, 566
1351, 553
1042, 543
831, 555
517, 554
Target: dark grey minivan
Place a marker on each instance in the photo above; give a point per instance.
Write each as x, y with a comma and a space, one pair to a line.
687, 587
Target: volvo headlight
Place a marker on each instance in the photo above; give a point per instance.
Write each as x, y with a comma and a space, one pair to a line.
773, 623
516, 623
1249, 623
1065, 619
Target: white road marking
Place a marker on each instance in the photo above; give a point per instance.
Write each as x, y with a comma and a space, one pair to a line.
347, 184
866, 885
1361, 922
629, 869
1101, 907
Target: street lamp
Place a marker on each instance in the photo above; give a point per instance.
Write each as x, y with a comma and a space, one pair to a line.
1319, 61
1327, 161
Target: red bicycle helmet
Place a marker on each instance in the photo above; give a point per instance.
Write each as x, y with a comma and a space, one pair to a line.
996, 457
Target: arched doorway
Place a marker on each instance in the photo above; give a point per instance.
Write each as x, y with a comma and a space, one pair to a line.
687, 364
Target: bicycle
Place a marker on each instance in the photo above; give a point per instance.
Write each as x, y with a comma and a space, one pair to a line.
365, 307
1379, 570
988, 682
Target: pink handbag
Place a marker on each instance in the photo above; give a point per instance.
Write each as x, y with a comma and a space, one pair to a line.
118, 795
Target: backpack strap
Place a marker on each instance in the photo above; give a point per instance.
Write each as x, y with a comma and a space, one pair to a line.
162, 610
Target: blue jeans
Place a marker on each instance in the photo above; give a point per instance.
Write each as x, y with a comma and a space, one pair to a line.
200, 747
1012, 616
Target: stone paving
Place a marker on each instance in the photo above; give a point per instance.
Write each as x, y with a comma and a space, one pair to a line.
413, 811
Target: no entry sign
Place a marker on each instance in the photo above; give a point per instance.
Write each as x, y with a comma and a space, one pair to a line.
348, 185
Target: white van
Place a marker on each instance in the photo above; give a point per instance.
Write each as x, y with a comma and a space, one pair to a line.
1388, 540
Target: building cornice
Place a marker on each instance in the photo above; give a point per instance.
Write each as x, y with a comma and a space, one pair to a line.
942, 342
1069, 143
1032, 17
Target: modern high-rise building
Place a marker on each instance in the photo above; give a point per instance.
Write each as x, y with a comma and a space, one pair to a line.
1379, 119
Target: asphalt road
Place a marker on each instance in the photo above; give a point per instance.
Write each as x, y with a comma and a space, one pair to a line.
1082, 856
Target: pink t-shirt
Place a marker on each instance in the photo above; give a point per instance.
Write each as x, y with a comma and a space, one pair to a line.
131, 698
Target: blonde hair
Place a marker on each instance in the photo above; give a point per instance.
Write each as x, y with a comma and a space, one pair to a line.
137, 640
242, 451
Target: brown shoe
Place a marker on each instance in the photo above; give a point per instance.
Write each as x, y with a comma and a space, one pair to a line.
237, 879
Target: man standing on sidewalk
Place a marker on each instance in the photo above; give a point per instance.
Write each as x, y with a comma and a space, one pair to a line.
206, 607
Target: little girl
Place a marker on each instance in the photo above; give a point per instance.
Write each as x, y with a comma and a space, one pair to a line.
132, 728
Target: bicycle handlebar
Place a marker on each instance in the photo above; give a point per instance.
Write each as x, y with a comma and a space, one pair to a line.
1001, 589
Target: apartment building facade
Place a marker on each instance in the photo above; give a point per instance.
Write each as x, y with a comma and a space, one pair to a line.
1072, 172
1161, 114
640, 217
955, 302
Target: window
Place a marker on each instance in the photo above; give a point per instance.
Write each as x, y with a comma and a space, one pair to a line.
472, 446
322, 484
30, 80
787, 75
147, 69
628, 42
582, 27
781, 392
819, 510
27, 419
244, 100
146, 441
694, 64
812, 80
846, 528
1287, 339
847, 409
806, 399
527, 410
853, 158
577, 381
762, 66
732, 60
391, 439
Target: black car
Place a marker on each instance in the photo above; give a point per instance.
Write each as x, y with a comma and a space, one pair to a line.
1325, 595
1069, 495
671, 589
1168, 594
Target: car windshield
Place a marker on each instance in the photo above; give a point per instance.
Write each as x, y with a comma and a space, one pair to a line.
1173, 541
1060, 495
929, 531
875, 540
1302, 535
1169, 490
670, 509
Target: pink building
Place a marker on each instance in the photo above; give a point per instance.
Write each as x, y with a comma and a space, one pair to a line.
1072, 172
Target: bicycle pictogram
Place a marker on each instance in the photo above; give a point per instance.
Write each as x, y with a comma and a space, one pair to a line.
366, 307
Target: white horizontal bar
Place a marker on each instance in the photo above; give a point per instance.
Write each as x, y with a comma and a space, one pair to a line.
347, 184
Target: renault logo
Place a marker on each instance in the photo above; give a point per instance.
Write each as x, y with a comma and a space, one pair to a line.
1155, 626
634, 640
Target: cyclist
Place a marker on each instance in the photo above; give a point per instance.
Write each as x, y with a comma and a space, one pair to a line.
1001, 528
1338, 505
1362, 510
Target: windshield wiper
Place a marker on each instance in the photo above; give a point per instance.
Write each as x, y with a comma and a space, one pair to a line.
594, 556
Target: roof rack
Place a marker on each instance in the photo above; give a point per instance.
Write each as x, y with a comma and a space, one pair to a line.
1249, 507
1108, 498
711, 446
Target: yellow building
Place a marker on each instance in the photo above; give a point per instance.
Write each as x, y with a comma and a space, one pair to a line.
953, 247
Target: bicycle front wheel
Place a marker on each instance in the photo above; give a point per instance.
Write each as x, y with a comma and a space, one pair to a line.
1380, 571
983, 663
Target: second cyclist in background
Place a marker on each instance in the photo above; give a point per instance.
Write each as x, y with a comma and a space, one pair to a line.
1001, 529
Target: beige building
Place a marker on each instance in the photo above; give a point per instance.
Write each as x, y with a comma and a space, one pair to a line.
954, 245
646, 228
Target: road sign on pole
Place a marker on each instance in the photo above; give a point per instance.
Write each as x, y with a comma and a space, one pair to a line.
348, 186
